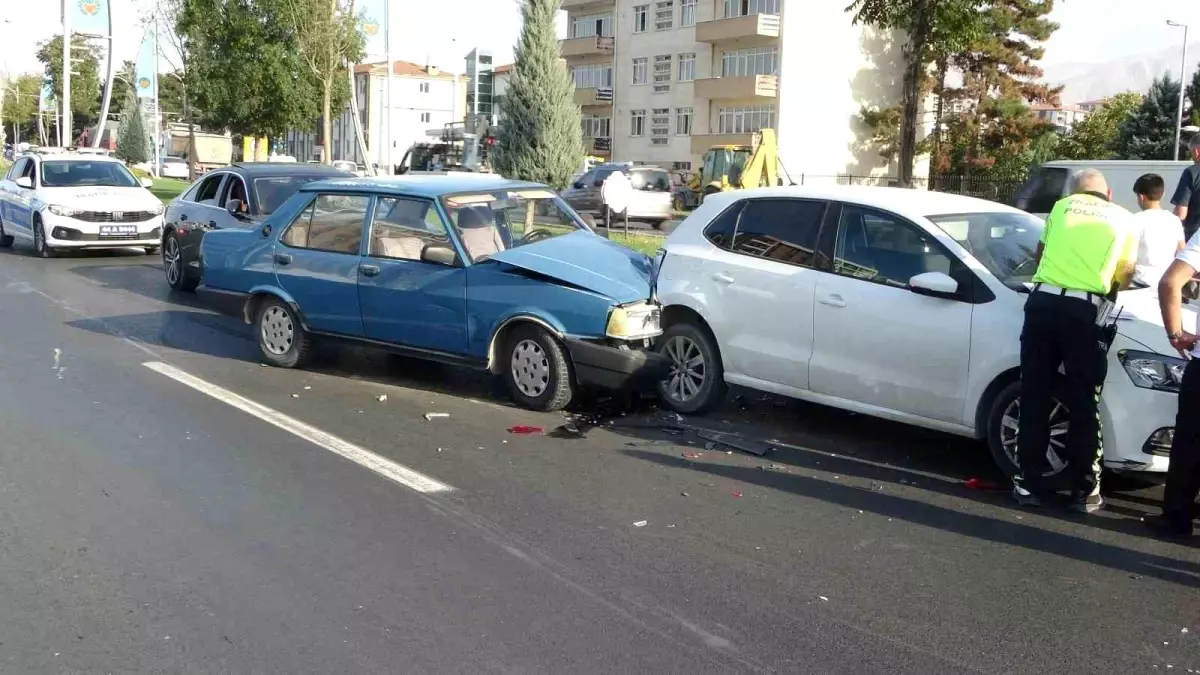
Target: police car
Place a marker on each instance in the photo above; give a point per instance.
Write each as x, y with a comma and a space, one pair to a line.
77, 201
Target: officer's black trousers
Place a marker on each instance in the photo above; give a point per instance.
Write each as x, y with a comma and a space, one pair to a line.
1061, 331
1183, 476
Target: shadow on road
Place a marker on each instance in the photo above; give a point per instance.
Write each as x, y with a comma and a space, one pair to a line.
950, 520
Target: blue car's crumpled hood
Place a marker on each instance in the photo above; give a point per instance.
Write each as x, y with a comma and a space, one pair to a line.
586, 260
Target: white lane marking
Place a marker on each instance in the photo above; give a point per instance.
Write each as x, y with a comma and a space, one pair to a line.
384, 467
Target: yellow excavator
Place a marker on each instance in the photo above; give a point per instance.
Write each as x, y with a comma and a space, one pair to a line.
735, 167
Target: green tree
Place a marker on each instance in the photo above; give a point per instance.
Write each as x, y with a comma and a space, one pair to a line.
540, 138
329, 39
1149, 133
245, 71
1193, 97
20, 106
1095, 137
86, 87
133, 142
122, 82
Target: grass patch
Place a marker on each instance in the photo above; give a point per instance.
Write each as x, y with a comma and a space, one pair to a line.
644, 243
167, 189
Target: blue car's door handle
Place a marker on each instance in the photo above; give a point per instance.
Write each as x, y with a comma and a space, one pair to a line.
283, 258
369, 270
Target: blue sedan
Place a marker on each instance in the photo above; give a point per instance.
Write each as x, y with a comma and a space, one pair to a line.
472, 270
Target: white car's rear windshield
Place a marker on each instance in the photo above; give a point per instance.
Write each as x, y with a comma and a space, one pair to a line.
75, 173
1004, 242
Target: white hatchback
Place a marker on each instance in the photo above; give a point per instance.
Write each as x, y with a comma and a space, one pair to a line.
902, 304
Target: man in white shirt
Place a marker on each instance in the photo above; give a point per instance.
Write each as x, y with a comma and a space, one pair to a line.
1183, 474
1161, 231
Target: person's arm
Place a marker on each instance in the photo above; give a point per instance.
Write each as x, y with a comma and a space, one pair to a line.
1037, 257
1127, 266
1170, 302
1183, 194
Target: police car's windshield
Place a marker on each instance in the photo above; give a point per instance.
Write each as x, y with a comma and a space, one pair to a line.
1003, 241
76, 173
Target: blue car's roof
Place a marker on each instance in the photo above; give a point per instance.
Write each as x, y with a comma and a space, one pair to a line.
424, 186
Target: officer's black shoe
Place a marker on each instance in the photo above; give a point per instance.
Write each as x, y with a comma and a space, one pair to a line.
1081, 503
1024, 497
1167, 529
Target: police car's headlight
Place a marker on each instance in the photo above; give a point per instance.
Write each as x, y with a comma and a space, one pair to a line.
637, 321
1153, 371
62, 211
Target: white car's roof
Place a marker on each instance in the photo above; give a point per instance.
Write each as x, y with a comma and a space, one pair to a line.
906, 202
73, 157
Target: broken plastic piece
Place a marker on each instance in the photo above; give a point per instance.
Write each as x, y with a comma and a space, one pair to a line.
692, 455
524, 429
737, 494
381, 398
640, 523
983, 485
431, 416
737, 442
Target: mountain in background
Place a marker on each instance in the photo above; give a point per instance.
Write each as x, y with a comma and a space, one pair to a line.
1091, 81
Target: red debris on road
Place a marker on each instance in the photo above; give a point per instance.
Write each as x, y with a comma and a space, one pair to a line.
524, 429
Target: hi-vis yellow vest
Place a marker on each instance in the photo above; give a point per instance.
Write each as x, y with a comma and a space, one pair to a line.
1085, 240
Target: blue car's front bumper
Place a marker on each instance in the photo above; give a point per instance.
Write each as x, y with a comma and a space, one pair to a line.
614, 368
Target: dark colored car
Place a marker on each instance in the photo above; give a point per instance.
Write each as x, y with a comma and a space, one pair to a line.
238, 196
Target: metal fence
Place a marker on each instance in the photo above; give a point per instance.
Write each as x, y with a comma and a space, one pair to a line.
1003, 190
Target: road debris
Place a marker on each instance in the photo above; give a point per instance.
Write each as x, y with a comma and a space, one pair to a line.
381, 398
983, 485
432, 416
570, 430
640, 523
295, 395
823, 598
737, 442
306, 387
684, 494
524, 429
736, 494
693, 455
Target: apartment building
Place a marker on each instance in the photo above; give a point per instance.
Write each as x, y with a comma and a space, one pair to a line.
423, 99
1063, 117
662, 81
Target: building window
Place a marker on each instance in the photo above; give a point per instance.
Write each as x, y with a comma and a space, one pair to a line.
641, 69
736, 8
641, 18
637, 122
687, 14
681, 166
591, 24
687, 67
662, 73
596, 126
664, 14
424, 87
752, 61
745, 119
592, 77
683, 121
660, 126
425, 117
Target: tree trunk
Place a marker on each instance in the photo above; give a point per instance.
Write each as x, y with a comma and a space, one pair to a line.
326, 122
187, 117
943, 65
914, 54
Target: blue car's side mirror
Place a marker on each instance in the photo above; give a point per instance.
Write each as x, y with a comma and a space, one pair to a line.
266, 231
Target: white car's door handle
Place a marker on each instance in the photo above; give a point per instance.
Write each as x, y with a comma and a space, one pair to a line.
832, 301
721, 277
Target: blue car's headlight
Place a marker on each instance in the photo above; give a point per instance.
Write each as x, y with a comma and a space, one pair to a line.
1153, 371
636, 321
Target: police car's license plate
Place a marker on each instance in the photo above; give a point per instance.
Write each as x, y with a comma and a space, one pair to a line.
117, 230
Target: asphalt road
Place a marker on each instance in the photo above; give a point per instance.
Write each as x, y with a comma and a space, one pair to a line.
147, 526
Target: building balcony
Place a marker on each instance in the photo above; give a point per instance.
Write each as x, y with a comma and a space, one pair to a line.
599, 147
743, 87
587, 4
588, 97
744, 31
701, 143
585, 46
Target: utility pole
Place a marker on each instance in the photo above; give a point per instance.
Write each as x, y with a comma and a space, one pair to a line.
1182, 87
387, 115
108, 82
65, 125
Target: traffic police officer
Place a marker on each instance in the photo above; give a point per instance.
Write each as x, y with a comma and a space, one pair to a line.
1088, 250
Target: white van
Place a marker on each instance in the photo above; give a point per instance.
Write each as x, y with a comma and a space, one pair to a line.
1051, 182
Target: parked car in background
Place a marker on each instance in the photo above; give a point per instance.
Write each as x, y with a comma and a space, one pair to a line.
350, 167
238, 196
173, 167
650, 201
902, 304
58, 202
1051, 181
471, 270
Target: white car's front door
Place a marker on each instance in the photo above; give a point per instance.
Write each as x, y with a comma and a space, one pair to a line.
763, 279
877, 342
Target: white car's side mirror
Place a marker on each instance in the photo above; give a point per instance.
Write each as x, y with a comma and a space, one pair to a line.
147, 183
936, 284
25, 182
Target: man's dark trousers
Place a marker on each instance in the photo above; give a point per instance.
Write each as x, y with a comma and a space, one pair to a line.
1061, 330
1183, 475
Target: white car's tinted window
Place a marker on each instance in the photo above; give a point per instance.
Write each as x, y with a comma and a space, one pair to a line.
882, 248
720, 230
784, 230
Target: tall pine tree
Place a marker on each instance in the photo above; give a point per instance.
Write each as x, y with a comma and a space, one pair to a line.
132, 138
1193, 98
1149, 133
540, 138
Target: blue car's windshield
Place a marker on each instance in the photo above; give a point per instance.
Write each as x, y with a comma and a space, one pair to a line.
491, 222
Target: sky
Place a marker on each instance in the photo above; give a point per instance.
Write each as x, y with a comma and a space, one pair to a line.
443, 31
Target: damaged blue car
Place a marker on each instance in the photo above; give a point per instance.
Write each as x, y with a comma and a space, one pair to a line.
471, 270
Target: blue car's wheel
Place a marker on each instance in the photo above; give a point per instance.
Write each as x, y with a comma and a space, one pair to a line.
537, 371
282, 340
